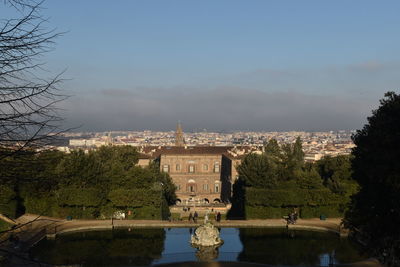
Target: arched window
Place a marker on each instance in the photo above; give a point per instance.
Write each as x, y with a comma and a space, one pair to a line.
217, 187
191, 186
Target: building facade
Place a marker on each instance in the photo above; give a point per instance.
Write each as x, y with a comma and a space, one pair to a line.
200, 176
203, 175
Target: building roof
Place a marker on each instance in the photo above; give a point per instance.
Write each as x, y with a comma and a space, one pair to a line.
229, 151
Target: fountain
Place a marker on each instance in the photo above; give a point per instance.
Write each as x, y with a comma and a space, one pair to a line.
206, 235
206, 239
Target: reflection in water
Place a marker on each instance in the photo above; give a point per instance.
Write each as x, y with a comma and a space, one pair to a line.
103, 248
208, 254
155, 246
287, 247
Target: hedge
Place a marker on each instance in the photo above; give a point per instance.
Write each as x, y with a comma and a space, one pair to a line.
9, 209
291, 197
313, 212
89, 197
43, 205
262, 212
8, 204
76, 212
266, 203
135, 197
146, 213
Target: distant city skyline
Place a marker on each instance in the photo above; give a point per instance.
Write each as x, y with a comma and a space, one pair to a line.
224, 65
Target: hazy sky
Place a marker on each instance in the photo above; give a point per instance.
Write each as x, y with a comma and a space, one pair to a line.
224, 65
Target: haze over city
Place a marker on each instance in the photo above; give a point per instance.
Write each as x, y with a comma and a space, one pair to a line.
224, 65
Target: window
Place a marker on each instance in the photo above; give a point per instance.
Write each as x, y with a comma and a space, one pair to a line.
205, 167
178, 167
191, 168
191, 186
165, 168
216, 167
216, 188
205, 187
178, 187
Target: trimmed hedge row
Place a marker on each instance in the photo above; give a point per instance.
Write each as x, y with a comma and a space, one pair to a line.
263, 212
291, 197
144, 204
79, 197
135, 197
43, 205
313, 212
267, 203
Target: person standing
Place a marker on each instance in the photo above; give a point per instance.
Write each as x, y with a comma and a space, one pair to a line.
218, 217
195, 216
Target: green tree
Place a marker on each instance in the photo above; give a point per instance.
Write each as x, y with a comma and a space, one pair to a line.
336, 173
374, 212
272, 149
298, 154
292, 160
257, 171
308, 179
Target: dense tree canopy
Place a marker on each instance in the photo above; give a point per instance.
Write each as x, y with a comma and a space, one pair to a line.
271, 184
374, 212
258, 171
85, 185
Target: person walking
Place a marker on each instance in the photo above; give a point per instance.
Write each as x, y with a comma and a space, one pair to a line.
190, 217
195, 216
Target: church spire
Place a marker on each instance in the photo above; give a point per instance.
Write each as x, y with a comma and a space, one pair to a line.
179, 140
109, 140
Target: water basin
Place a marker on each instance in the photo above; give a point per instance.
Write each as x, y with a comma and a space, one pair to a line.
143, 247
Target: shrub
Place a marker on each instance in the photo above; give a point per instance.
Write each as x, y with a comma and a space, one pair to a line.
8, 204
43, 205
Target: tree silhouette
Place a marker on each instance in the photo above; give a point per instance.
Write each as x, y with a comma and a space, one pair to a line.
28, 115
374, 215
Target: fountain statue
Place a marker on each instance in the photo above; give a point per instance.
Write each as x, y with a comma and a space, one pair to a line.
206, 239
206, 235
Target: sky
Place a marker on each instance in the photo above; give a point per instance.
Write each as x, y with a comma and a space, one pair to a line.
223, 65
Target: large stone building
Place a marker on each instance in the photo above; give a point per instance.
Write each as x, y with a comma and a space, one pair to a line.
202, 174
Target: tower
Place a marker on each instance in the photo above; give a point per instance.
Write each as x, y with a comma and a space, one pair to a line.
179, 140
109, 140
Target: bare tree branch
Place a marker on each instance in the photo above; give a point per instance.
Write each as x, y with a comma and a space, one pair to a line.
29, 117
